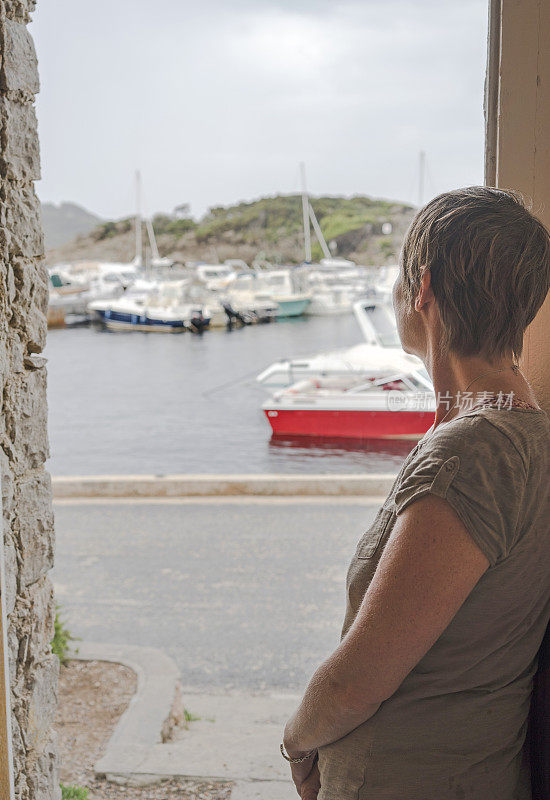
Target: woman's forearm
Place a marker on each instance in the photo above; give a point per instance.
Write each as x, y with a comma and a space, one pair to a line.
328, 711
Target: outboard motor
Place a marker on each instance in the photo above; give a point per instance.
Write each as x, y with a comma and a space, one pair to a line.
233, 315
198, 322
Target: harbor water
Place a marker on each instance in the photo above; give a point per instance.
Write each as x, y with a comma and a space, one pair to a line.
146, 403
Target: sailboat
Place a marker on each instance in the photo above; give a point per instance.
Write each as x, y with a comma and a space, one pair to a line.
334, 283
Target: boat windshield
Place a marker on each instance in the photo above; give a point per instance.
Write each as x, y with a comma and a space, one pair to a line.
384, 324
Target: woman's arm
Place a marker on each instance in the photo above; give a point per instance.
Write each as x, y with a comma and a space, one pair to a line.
427, 570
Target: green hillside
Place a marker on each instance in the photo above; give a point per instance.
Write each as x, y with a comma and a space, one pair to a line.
269, 228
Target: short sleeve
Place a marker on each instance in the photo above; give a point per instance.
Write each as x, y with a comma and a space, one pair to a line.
477, 469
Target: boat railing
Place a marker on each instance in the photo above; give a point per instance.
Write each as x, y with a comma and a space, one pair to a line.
376, 383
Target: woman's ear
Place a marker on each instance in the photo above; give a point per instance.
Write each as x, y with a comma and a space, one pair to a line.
425, 293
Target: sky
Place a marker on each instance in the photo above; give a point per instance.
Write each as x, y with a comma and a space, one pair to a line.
220, 100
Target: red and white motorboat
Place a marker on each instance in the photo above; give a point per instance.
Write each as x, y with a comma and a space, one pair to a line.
380, 350
381, 406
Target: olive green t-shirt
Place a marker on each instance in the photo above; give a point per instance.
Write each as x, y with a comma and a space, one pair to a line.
455, 728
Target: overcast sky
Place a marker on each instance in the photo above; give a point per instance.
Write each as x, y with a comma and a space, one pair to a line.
219, 100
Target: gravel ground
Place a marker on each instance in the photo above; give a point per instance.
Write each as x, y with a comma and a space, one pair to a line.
92, 697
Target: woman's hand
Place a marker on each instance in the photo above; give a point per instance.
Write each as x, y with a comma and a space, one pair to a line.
301, 774
310, 787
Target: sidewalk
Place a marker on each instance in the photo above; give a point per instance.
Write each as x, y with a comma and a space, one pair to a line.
171, 486
236, 737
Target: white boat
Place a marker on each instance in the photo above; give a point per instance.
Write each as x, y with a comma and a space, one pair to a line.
164, 310
383, 286
331, 300
200, 295
381, 349
87, 271
335, 263
247, 300
249, 306
141, 287
279, 286
334, 289
215, 276
74, 286
67, 292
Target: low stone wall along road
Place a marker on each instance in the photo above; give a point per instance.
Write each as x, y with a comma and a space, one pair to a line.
245, 594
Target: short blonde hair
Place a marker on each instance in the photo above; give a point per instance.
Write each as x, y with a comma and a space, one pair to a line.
489, 259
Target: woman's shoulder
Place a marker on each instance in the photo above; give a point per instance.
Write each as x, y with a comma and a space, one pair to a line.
490, 451
489, 468
491, 435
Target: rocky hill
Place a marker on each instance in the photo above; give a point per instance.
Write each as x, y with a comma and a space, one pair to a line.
367, 230
63, 222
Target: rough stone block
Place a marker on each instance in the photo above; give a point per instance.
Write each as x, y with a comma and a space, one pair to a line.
36, 323
40, 619
17, 740
17, 355
13, 648
21, 218
20, 67
42, 705
7, 484
30, 303
47, 772
25, 416
10, 286
10, 566
19, 10
21, 155
32, 436
34, 528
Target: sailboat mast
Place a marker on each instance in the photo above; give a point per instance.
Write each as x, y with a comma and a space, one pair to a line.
421, 176
305, 214
152, 239
319, 233
139, 239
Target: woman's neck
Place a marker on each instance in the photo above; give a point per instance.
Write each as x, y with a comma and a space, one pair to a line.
459, 381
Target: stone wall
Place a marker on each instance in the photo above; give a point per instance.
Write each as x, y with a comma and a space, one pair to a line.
26, 492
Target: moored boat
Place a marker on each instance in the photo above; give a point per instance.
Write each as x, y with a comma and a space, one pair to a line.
398, 406
381, 350
165, 310
215, 276
292, 306
284, 290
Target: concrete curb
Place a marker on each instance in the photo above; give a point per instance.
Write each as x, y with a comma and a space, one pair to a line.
235, 739
139, 728
94, 486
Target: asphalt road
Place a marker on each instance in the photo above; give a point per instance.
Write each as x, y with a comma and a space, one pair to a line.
245, 595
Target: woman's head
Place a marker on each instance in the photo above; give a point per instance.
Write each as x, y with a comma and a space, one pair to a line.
484, 259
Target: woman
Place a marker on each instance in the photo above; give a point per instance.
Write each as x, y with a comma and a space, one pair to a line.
448, 594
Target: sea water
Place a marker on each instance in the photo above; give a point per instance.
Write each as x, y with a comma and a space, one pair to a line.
155, 403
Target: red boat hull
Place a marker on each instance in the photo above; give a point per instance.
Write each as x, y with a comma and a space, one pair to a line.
350, 424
